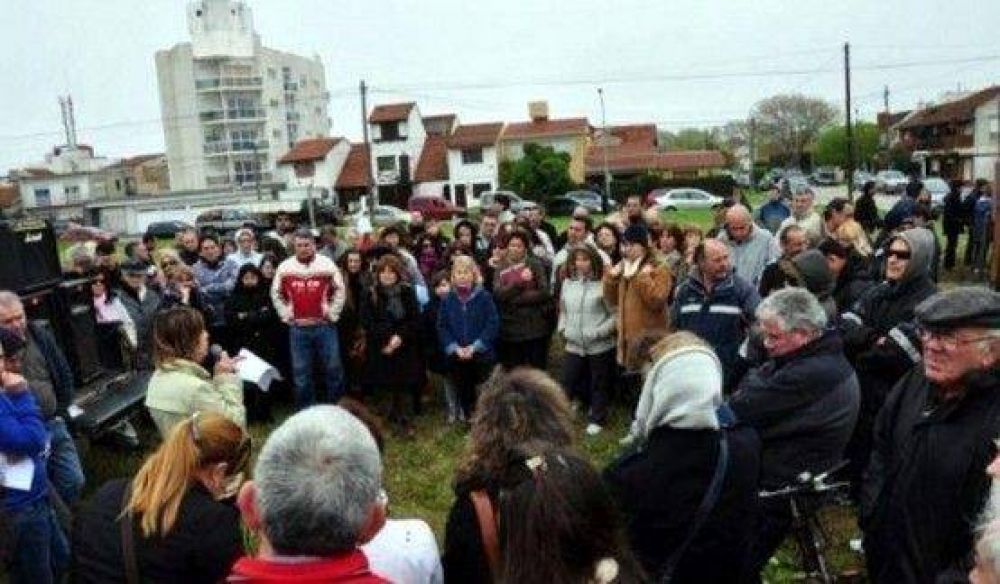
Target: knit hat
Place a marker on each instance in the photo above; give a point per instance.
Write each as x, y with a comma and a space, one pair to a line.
815, 272
11, 342
682, 390
636, 233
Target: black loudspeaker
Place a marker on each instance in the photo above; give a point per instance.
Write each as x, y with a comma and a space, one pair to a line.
67, 311
29, 258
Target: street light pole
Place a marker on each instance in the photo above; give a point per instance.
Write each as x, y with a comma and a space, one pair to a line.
604, 137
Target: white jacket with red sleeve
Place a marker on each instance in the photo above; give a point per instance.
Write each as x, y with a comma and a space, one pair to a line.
308, 291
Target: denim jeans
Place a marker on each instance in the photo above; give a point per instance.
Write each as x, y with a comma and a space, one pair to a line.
41, 551
64, 469
309, 343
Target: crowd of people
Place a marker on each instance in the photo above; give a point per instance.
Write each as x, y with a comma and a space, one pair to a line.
774, 343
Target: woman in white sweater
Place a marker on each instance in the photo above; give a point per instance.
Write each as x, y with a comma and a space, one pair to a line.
588, 326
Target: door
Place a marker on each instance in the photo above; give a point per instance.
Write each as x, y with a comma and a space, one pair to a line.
460, 196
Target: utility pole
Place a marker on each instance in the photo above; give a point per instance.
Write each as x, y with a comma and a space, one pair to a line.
604, 138
885, 99
751, 144
848, 125
372, 190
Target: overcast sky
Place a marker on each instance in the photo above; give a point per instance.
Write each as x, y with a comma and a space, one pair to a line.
677, 63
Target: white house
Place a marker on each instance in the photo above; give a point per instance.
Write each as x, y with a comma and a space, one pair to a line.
60, 187
473, 162
312, 167
987, 138
397, 140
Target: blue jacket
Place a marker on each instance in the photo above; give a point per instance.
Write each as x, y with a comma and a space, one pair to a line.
216, 283
23, 433
771, 214
721, 317
474, 322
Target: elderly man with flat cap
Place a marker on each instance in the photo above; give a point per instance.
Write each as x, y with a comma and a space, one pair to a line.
935, 434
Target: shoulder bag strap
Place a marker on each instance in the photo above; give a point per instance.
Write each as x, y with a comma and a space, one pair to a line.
707, 504
487, 520
128, 541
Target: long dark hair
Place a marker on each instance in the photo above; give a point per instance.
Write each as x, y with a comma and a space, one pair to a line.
558, 512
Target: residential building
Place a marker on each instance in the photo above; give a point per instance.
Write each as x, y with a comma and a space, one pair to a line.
958, 138
569, 135
142, 175
631, 150
354, 180
312, 167
62, 185
231, 107
397, 139
473, 162
431, 175
440, 125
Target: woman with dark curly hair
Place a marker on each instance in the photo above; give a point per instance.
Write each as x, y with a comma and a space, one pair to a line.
516, 407
609, 240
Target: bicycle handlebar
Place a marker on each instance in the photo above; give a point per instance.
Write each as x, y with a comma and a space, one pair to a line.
807, 483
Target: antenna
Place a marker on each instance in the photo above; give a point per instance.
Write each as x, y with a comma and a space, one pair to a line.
68, 120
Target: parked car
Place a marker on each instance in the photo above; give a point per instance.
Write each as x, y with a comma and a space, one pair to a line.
434, 207
587, 199
384, 215
824, 176
674, 199
167, 228
890, 181
507, 198
861, 177
791, 184
226, 220
938, 188
770, 178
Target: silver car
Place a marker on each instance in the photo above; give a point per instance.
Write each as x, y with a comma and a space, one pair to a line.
674, 199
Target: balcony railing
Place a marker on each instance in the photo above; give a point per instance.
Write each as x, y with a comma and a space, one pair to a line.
226, 115
223, 83
293, 116
243, 181
291, 86
236, 146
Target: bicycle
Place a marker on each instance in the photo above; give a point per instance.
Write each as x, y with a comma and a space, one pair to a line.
807, 496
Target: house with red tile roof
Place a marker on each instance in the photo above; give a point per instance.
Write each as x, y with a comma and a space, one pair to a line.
634, 149
473, 162
312, 167
354, 179
570, 135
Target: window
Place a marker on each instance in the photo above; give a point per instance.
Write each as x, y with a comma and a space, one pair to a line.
272, 73
386, 163
274, 103
994, 127
276, 133
247, 171
43, 198
389, 131
118, 184
472, 156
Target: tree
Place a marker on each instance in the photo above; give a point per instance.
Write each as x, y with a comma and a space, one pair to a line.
791, 122
540, 173
689, 139
831, 146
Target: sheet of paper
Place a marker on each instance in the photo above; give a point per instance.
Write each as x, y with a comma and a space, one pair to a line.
256, 370
17, 475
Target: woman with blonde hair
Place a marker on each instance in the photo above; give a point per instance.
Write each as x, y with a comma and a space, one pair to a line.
172, 522
180, 386
852, 234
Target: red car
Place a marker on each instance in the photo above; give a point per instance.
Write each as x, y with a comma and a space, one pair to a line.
433, 207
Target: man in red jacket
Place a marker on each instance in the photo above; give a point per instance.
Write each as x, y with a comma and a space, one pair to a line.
315, 499
308, 294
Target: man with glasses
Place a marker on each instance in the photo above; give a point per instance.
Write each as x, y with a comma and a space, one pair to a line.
934, 436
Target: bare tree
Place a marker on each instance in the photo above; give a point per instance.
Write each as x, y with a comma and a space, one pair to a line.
790, 123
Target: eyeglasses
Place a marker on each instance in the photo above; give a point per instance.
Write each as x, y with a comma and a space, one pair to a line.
949, 340
899, 254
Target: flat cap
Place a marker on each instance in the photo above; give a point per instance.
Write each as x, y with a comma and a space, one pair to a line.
962, 306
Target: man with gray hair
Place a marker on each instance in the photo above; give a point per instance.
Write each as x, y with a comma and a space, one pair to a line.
805, 216
315, 499
934, 436
803, 402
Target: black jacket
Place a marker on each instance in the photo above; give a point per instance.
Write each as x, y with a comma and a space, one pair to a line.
253, 322
660, 488
205, 541
405, 366
853, 282
866, 212
927, 479
953, 217
804, 405
463, 559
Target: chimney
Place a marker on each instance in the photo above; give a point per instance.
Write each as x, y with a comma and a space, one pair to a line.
538, 111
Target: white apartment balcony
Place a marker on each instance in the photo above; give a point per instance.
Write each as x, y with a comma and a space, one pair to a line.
242, 181
223, 148
233, 115
228, 83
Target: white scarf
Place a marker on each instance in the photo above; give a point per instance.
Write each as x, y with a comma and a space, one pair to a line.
682, 390
630, 267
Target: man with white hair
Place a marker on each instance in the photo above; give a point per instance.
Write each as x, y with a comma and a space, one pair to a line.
805, 216
750, 247
315, 499
933, 437
803, 402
